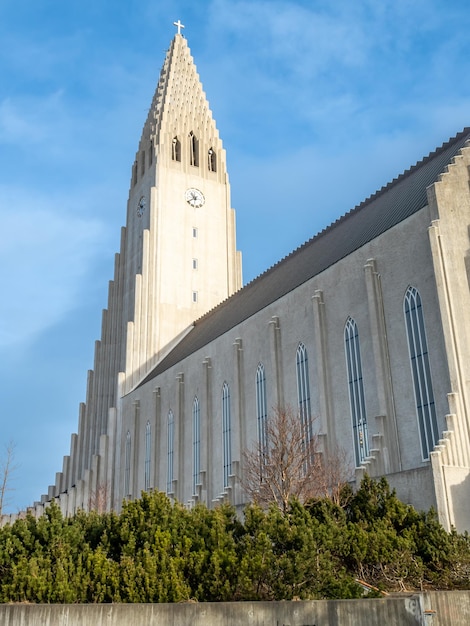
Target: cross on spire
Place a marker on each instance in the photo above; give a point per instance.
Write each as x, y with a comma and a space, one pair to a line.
179, 26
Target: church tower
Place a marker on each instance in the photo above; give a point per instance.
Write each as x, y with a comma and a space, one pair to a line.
178, 256
180, 250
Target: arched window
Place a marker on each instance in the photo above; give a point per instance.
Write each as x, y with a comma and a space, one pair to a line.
193, 150
127, 466
226, 433
148, 452
356, 391
261, 408
212, 160
196, 444
170, 452
176, 149
303, 391
418, 350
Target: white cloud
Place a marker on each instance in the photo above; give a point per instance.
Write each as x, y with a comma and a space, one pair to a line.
44, 256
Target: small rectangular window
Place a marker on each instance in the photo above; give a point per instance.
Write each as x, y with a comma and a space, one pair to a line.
194, 264
194, 296
194, 232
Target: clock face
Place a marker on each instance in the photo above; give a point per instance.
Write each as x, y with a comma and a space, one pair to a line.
140, 207
194, 197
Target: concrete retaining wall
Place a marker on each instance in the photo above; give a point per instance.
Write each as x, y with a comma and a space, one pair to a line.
430, 609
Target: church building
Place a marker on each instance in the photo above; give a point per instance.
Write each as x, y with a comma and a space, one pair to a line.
363, 329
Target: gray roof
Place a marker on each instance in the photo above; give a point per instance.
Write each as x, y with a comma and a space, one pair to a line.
389, 206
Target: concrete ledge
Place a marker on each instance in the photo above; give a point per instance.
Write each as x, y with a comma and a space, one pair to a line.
423, 609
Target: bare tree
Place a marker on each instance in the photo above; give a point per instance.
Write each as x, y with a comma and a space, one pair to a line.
7, 469
282, 466
336, 470
288, 464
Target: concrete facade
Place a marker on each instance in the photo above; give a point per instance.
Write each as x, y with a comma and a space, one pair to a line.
176, 342
424, 609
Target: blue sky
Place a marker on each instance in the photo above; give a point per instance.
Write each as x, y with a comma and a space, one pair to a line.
318, 104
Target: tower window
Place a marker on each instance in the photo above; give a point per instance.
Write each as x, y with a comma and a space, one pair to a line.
212, 160
194, 232
151, 153
176, 149
134, 174
194, 296
194, 264
193, 150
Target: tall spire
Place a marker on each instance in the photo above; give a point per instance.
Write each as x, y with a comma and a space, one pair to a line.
177, 259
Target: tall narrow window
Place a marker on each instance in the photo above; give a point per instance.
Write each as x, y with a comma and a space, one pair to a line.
142, 163
151, 149
212, 160
148, 453
196, 444
303, 391
418, 350
134, 174
175, 149
356, 391
193, 149
261, 412
127, 466
170, 452
226, 434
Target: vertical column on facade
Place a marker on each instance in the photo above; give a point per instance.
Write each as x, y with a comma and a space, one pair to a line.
145, 337
112, 443
102, 367
117, 473
457, 401
440, 490
276, 357
72, 478
239, 414
158, 439
135, 372
87, 425
102, 488
63, 504
93, 405
72, 501
94, 483
79, 491
390, 449
208, 429
65, 474
87, 478
323, 372
180, 438
80, 443
58, 482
